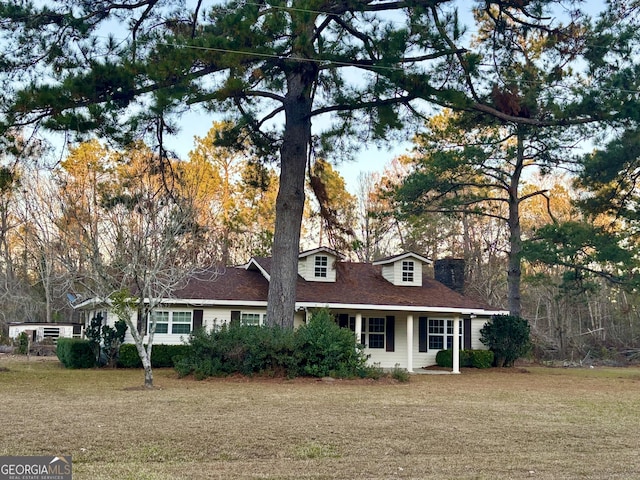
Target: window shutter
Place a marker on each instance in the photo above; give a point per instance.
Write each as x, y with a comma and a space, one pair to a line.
197, 319
235, 317
143, 317
391, 334
343, 320
422, 334
466, 334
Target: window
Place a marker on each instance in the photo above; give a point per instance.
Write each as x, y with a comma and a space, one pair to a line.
345, 321
177, 323
250, 319
162, 321
440, 334
373, 328
321, 262
51, 332
181, 323
407, 271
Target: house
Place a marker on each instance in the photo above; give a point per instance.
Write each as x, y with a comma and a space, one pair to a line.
398, 312
41, 331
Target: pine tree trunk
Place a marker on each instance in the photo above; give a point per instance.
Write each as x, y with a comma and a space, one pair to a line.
514, 272
290, 199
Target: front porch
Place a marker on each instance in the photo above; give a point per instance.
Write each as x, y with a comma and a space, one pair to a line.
410, 340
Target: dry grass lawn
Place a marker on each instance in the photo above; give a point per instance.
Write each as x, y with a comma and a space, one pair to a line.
537, 423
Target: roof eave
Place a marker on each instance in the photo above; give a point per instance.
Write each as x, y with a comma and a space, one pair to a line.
402, 256
261, 269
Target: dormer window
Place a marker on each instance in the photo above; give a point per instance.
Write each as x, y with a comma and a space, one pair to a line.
321, 263
403, 270
408, 268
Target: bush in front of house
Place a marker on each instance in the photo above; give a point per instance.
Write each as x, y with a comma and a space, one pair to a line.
468, 358
105, 340
508, 337
241, 349
162, 356
75, 353
128, 356
323, 349
319, 349
481, 358
166, 356
22, 342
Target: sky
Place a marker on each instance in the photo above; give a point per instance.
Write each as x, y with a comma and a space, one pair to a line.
369, 159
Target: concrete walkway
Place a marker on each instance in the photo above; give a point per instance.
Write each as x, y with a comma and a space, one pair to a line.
425, 371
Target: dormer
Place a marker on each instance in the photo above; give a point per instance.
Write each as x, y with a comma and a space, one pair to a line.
318, 265
404, 269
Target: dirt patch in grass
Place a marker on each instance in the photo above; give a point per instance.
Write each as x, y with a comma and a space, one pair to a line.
482, 424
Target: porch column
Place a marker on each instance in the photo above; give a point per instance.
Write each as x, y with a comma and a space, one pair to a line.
358, 327
409, 343
456, 345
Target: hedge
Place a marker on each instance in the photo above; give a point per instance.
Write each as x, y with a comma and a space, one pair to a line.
75, 353
162, 356
320, 348
468, 358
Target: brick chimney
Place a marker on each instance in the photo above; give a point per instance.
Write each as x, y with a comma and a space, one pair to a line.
450, 272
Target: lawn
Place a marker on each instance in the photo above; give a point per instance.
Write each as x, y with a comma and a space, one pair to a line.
533, 422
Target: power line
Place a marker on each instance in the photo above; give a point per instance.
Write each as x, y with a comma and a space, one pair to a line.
531, 83
282, 57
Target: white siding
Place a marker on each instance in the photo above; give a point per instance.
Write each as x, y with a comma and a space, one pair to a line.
299, 319
476, 326
388, 272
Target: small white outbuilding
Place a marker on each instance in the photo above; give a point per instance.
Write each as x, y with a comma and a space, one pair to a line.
41, 331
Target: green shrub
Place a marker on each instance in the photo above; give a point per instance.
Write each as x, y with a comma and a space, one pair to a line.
481, 358
241, 349
75, 353
324, 349
320, 348
105, 340
23, 343
165, 356
162, 356
128, 356
508, 337
444, 358
468, 358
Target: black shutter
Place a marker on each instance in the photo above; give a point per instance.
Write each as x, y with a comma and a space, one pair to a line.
143, 317
197, 319
235, 317
391, 334
343, 320
422, 334
466, 334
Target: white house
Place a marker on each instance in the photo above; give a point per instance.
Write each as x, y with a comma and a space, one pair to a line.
41, 331
401, 315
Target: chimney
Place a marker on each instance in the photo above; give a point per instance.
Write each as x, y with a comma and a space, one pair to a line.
450, 272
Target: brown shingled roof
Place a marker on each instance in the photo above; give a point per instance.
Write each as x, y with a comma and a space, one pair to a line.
233, 283
356, 283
